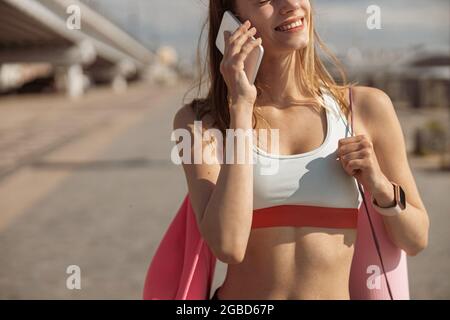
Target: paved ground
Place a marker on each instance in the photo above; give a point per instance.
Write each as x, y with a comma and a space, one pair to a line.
429, 272
90, 183
100, 202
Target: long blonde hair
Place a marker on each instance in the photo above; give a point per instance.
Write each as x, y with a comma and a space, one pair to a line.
311, 75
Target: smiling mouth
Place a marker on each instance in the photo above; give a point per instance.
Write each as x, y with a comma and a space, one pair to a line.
292, 26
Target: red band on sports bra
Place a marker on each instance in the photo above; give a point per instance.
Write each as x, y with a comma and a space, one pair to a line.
305, 216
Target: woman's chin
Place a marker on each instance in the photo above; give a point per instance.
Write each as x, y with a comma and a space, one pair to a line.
291, 47
292, 44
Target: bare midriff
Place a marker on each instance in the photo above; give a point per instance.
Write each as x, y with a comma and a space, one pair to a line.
292, 263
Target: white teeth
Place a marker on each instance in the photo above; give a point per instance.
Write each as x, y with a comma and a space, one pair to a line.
291, 26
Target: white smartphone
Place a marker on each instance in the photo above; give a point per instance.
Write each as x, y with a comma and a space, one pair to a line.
254, 58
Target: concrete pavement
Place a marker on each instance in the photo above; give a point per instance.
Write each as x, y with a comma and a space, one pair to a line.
99, 202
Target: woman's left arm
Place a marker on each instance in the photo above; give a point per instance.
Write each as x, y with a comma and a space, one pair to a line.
380, 158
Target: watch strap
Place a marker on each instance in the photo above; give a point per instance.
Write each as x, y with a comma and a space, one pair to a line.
394, 210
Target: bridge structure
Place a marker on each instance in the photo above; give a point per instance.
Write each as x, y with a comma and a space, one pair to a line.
80, 44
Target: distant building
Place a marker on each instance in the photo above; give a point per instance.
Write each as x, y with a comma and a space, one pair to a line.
418, 78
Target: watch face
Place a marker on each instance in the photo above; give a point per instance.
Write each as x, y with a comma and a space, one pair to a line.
402, 198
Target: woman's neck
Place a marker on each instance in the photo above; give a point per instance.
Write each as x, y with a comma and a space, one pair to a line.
276, 77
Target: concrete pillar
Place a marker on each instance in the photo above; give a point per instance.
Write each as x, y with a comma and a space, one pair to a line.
119, 83
75, 81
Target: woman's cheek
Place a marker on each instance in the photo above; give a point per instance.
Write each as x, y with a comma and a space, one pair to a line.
262, 31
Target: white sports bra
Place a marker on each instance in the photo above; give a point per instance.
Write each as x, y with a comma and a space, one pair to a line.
307, 189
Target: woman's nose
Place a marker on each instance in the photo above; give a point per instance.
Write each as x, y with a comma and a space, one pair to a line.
289, 5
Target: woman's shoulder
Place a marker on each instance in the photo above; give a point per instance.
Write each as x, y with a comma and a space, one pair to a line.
372, 107
187, 114
183, 117
364, 95
368, 95
372, 103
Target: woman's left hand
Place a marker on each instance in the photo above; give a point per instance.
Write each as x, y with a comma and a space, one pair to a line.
358, 159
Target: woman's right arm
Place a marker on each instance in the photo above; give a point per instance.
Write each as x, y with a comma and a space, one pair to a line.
222, 194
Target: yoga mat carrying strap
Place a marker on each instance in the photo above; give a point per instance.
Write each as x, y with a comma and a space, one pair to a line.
374, 235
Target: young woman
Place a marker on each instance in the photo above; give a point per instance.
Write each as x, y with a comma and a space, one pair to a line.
291, 234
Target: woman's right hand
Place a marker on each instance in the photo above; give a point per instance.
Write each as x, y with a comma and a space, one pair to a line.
237, 47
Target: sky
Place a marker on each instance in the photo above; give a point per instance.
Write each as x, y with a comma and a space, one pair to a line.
341, 23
